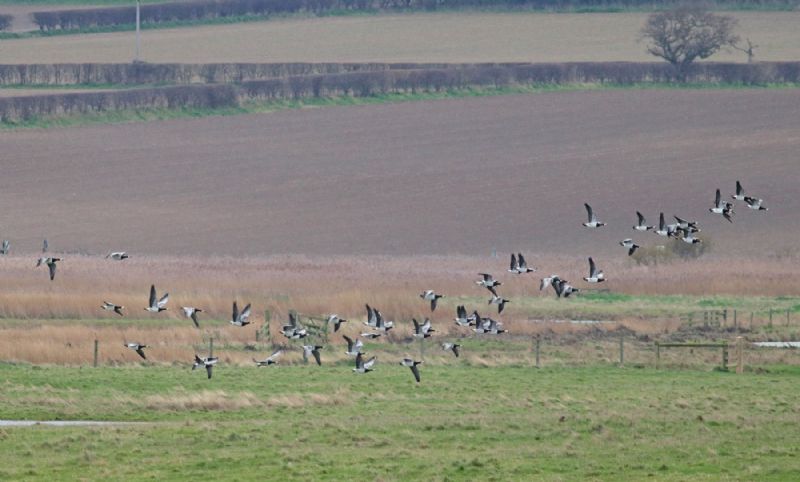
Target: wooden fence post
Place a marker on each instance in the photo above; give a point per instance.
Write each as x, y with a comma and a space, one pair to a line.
725, 356
658, 355
538, 347
621, 350
211, 346
96, 343
739, 354
725, 317
751, 321
735, 320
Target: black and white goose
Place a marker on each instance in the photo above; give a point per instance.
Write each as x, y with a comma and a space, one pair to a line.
118, 255
381, 324
270, 360
663, 228
545, 282
739, 196
519, 265
593, 222
138, 348
641, 225
562, 288
499, 301
293, 330
451, 347
240, 319
424, 330
371, 336
686, 225
487, 282
4, 249
364, 366
461, 318
413, 365
157, 305
495, 327
50, 263
595, 275
724, 208
628, 243
336, 321
191, 313
353, 347
313, 350
755, 203
112, 307
208, 362
430, 295
687, 236
372, 320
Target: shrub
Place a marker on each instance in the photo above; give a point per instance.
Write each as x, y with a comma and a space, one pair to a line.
5, 21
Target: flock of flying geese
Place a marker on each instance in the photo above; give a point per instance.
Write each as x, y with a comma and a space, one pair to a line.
378, 326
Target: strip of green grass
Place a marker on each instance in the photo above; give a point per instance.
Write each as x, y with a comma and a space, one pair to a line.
142, 115
460, 423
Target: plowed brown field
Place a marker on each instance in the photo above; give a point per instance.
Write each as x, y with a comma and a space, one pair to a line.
437, 177
428, 37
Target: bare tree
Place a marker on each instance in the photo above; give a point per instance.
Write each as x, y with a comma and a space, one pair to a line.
686, 33
749, 50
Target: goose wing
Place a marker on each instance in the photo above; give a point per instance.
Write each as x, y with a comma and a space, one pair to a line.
717, 199
208, 370
415, 371
739, 190
641, 222
661, 222
315, 352
152, 302
416, 326
140, 351
359, 361
592, 268
493, 291
589, 212
369, 363
52, 267
245, 314
275, 355
522, 263
513, 266
455, 350
163, 301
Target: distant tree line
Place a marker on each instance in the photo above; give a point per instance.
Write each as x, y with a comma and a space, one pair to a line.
208, 9
5, 21
368, 83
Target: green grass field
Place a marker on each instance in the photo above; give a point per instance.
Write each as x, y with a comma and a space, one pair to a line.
460, 423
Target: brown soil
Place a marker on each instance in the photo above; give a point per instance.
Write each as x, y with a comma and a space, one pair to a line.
453, 176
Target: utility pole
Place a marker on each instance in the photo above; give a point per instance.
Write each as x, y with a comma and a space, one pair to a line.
138, 34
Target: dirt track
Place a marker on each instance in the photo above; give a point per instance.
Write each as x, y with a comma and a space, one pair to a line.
423, 37
454, 176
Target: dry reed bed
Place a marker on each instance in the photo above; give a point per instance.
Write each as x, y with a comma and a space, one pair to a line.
321, 285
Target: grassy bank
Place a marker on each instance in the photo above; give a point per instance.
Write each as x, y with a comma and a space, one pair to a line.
261, 107
460, 423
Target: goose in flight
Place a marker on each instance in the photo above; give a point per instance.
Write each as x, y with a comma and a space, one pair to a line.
372, 320
755, 203
337, 322
494, 327
191, 312
381, 324
724, 208
353, 348
593, 222
430, 295
410, 363
641, 225
5, 248
628, 243
499, 301
206, 362
739, 196
45, 246
545, 282
51, 265
687, 236
451, 347
519, 265
664, 229
157, 305
118, 255
424, 330
138, 348
461, 318
488, 281
112, 307
240, 319
364, 366
563, 288
313, 350
370, 336
686, 225
270, 360
293, 330
595, 275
